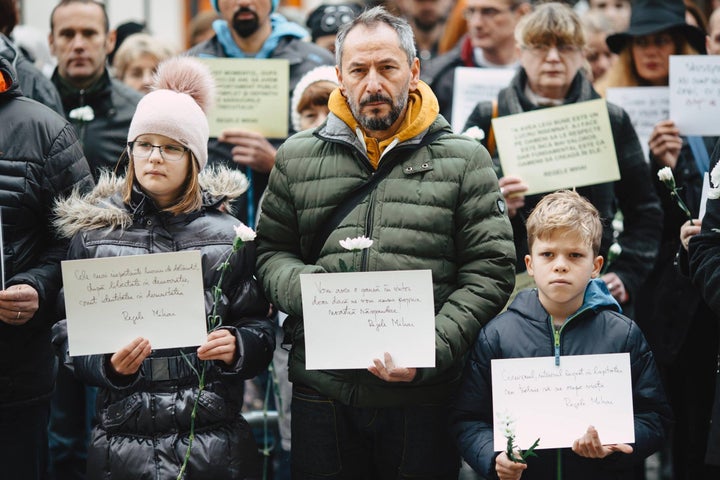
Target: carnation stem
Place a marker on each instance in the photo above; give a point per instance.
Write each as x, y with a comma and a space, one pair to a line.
682, 206
214, 320
193, 414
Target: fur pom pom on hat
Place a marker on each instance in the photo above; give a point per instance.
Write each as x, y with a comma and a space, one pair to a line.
176, 107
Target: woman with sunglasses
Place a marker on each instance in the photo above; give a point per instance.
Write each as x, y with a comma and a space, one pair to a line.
167, 203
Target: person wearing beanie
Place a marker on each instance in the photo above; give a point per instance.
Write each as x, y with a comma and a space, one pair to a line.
680, 327
255, 30
309, 102
150, 401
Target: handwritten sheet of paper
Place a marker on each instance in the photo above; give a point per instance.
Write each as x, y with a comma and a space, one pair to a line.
695, 94
646, 106
473, 85
250, 94
560, 147
352, 318
558, 403
111, 301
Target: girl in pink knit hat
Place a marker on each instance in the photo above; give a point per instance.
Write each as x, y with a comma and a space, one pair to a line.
151, 401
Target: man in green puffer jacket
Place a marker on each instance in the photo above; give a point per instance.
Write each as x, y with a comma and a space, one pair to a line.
438, 208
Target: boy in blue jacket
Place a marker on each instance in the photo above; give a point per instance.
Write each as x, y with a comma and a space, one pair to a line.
570, 312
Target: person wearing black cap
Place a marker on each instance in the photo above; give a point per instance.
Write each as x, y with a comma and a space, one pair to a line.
679, 326
325, 21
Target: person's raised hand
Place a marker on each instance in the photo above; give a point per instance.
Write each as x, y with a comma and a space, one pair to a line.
250, 149
688, 230
513, 190
665, 143
616, 287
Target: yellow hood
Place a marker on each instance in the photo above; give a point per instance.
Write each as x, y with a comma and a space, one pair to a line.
422, 109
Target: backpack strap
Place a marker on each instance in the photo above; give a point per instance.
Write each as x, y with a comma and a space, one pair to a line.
482, 118
491, 144
356, 195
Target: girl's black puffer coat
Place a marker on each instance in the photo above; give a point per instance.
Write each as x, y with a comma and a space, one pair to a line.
144, 419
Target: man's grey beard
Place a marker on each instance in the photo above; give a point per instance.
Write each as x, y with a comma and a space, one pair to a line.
379, 123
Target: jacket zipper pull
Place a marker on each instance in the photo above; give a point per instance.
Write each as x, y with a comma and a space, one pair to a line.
556, 333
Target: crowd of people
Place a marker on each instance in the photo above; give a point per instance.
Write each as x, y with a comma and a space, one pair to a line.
111, 154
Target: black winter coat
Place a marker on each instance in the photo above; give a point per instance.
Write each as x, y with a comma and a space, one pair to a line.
40, 160
144, 419
668, 304
525, 330
704, 254
105, 137
633, 194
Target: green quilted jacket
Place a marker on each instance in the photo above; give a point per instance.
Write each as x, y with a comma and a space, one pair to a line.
439, 209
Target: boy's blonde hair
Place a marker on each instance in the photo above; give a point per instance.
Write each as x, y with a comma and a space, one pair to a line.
565, 211
550, 23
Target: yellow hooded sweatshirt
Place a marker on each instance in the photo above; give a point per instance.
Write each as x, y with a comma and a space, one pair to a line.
422, 109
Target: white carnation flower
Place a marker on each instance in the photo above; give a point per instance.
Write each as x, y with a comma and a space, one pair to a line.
357, 243
475, 132
665, 175
244, 233
84, 114
714, 192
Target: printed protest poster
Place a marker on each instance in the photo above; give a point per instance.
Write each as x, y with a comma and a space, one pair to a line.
557, 403
111, 301
646, 106
352, 318
473, 85
250, 94
695, 94
560, 147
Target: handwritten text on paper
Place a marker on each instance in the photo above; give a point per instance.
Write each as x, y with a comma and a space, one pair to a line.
352, 318
558, 403
111, 301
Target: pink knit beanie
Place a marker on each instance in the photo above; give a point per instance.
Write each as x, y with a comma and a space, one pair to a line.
182, 92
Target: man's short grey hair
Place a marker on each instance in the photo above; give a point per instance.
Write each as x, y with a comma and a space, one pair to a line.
372, 18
